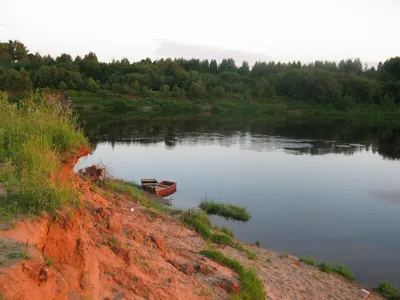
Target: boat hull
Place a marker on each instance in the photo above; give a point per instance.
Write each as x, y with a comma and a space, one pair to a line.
165, 188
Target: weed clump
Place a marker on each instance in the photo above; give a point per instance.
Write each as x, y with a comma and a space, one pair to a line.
307, 260
227, 211
388, 291
252, 286
324, 267
343, 271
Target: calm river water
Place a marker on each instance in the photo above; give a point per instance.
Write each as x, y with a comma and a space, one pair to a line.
326, 190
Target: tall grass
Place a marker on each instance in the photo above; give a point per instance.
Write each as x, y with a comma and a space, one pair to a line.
228, 211
35, 135
252, 286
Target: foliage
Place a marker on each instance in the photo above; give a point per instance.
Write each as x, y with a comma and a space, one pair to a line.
307, 260
227, 231
16, 255
388, 291
343, 271
35, 136
252, 286
340, 85
49, 262
324, 267
228, 211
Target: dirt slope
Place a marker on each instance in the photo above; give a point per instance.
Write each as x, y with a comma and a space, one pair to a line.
114, 248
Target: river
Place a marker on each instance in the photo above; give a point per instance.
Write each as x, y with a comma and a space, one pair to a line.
330, 190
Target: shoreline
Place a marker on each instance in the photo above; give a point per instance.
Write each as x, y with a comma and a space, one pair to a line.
122, 232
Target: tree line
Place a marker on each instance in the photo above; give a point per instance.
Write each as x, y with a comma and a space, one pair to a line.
342, 84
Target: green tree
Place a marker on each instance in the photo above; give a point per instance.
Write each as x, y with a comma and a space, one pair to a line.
165, 90
219, 92
227, 65
213, 66
197, 89
5, 55
176, 91
260, 86
244, 70
91, 85
62, 85
18, 51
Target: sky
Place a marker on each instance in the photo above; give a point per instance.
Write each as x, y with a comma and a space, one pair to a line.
250, 30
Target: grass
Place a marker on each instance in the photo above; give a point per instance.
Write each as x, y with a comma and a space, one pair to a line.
257, 243
201, 223
250, 254
49, 262
387, 291
131, 189
35, 135
199, 220
252, 286
227, 211
307, 260
17, 255
284, 255
324, 267
227, 231
343, 271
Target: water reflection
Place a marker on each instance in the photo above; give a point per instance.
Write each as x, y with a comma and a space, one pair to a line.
309, 138
314, 188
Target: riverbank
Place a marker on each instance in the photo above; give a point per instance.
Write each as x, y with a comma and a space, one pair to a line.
67, 236
156, 106
119, 245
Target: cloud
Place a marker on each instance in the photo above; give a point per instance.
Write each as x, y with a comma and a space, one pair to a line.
168, 48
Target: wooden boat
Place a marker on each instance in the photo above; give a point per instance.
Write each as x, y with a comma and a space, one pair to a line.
149, 184
165, 188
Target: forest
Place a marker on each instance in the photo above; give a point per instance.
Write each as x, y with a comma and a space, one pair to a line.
341, 85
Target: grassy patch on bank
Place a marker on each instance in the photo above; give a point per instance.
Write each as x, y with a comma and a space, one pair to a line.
343, 271
307, 260
202, 224
227, 211
388, 291
131, 189
35, 135
252, 286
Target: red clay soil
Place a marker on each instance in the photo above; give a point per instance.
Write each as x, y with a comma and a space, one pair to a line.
114, 248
